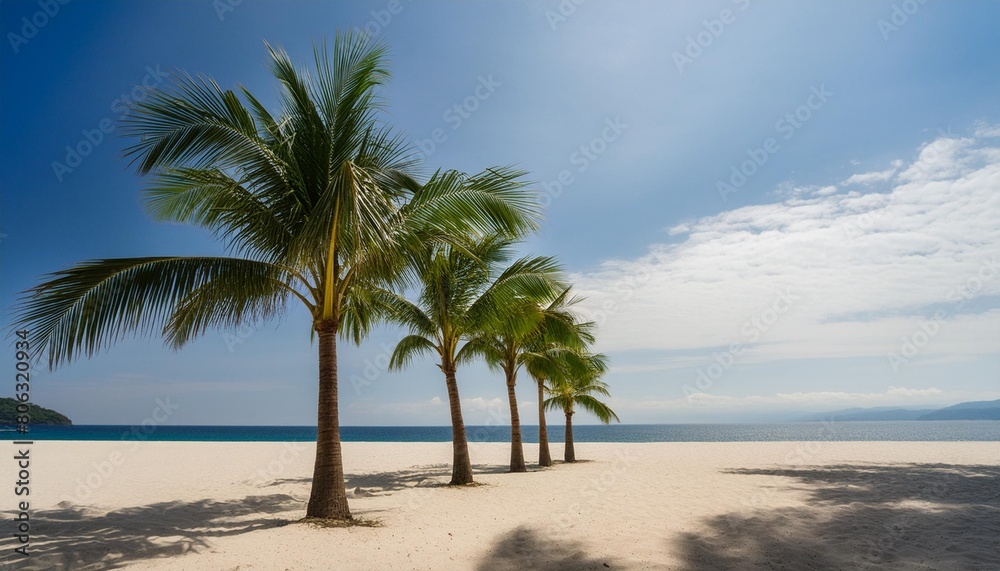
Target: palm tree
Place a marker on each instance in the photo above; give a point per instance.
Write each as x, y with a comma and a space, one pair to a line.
317, 205
464, 290
557, 355
545, 328
567, 393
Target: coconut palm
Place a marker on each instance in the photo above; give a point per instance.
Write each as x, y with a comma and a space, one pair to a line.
546, 328
316, 205
464, 292
567, 393
556, 351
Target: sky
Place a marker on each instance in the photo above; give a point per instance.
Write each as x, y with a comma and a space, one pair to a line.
771, 208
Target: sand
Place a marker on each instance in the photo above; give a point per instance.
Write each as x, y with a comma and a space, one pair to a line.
684, 506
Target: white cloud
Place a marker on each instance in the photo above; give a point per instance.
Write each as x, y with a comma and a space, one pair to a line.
859, 270
870, 177
481, 404
985, 130
900, 391
949, 158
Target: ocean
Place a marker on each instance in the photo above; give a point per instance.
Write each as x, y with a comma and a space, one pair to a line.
965, 430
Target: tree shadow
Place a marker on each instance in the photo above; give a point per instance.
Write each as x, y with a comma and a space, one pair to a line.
386, 482
861, 516
77, 537
525, 548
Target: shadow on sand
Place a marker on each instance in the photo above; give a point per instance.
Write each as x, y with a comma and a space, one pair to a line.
899, 517
76, 537
384, 482
84, 538
525, 548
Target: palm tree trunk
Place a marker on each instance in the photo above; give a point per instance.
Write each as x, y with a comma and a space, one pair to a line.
544, 458
516, 448
328, 499
570, 455
461, 471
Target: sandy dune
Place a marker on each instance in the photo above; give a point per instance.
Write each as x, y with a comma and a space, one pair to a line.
683, 506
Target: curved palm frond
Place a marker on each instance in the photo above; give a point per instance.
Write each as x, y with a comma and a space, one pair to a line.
194, 122
408, 349
559, 402
483, 346
506, 304
239, 295
232, 210
494, 201
90, 306
602, 411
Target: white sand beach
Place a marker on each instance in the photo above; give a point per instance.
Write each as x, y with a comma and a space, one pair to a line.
684, 506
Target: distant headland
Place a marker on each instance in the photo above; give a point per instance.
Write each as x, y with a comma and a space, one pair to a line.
978, 410
37, 414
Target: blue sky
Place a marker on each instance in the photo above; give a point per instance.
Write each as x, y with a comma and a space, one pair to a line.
771, 207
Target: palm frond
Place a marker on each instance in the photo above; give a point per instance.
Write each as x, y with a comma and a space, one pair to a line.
87, 308
602, 411
408, 349
495, 201
215, 200
524, 280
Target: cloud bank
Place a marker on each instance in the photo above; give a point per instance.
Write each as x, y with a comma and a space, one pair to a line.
885, 262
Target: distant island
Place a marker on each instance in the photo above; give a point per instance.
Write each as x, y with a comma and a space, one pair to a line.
977, 410
37, 414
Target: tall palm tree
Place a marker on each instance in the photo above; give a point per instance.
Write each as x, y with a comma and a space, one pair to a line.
463, 291
316, 204
545, 328
568, 393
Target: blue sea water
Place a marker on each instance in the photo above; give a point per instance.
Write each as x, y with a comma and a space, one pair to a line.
972, 430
